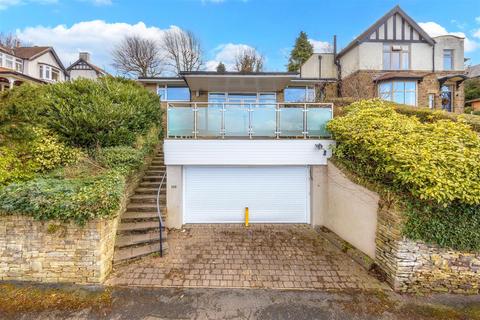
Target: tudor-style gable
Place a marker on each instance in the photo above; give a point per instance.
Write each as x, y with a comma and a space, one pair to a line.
83, 68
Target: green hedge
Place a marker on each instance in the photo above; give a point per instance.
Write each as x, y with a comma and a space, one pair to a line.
432, 165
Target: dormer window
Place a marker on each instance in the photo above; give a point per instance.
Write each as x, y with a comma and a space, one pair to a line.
396, 57
49, 73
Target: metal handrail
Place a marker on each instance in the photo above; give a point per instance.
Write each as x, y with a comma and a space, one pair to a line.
160, 220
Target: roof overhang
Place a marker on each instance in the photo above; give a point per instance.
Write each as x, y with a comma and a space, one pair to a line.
239, 82
17, 76
400, 75
310, 81
456, 78
162, 81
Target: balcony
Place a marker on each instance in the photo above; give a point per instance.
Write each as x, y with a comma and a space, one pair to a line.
224, 120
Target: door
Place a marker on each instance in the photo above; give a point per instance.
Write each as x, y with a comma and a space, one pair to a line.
273, 194
447, 98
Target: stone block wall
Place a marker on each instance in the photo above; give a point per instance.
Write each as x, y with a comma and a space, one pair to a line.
53, 251
414, 266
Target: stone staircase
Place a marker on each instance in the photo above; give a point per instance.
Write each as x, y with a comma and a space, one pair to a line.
138, 230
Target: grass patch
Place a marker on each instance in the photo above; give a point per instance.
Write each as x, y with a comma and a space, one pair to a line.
30, 299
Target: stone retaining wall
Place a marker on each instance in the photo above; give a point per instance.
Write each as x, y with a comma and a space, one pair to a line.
52, 251
413, 266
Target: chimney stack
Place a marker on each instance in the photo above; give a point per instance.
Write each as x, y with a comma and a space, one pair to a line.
84, 56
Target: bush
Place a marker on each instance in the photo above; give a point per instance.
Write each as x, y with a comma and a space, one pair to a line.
43, 152
85, 113
79, 200
432, 161
428, 115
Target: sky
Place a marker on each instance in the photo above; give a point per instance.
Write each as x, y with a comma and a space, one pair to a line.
224, 26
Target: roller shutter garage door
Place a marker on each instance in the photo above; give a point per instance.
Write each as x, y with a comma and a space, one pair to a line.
273, 194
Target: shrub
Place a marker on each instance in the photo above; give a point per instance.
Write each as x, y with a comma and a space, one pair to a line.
79, 200
428, 115
85, 113
22, 160
432, 161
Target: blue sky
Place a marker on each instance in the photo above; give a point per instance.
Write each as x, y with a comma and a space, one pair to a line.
223, 26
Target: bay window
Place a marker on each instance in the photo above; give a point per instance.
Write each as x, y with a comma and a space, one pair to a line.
49, 73
396, 57
399, 91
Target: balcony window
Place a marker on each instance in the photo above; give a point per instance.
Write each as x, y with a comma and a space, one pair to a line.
299, 94
448, 59
396, 57
167, 93
404, 92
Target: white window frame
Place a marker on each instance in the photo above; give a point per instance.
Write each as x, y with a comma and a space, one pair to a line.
390, 46
392, 90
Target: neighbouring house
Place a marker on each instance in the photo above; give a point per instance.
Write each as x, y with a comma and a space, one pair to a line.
84, 68
395, 59
29, 64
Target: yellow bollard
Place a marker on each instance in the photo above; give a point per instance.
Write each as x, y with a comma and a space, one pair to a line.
246, 216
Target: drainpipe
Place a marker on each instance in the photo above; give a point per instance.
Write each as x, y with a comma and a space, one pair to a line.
319, 66
339, 69
433, 58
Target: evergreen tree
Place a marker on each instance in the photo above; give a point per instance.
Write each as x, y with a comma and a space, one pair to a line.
221, 68
302, 50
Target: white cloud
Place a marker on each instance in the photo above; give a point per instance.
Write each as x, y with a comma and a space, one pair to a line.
226, 53
321, 46
4, 4
435, 30
97, 37
477, 19
100, 2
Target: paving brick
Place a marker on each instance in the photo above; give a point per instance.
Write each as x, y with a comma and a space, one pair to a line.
262, 256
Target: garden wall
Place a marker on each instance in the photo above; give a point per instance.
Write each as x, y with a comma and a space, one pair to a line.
408, 266
52, 251
413, 266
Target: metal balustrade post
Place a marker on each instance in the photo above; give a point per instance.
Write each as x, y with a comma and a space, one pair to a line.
195, 111
250, 128
277, 120
305, 132
222, 125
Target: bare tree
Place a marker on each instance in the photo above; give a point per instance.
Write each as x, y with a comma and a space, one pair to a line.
9, 40
249, 60
183, 50
137, 56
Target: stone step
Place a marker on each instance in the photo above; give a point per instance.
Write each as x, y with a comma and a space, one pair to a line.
153, 215
137, 226
144, 207
150, 184
127, 253
150, 172
147, 198
152, 178
157, 167
126, 240
152, 190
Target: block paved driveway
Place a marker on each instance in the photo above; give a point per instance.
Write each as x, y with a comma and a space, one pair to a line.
260, 256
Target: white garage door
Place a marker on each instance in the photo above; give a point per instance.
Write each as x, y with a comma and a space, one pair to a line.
272, 194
